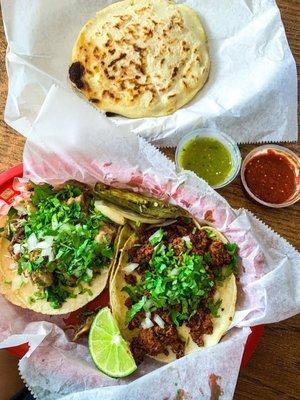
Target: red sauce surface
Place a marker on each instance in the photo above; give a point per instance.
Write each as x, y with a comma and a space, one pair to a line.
271, 177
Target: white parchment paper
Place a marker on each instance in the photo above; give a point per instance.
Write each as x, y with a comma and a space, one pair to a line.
252, 89
68, 142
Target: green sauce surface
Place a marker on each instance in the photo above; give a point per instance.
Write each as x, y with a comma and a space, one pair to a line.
208, 158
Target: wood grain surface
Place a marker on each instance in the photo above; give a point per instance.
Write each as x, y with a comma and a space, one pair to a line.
274, 370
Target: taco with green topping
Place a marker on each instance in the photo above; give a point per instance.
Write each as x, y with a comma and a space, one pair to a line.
57, 249
174, 289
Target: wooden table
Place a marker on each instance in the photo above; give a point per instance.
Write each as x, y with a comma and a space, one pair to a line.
274, 369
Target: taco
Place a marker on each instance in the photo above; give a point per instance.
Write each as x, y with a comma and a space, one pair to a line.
174, 289
56, 249
132, 209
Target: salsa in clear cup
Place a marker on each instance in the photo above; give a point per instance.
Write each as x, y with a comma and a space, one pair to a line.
270, 175
211, 155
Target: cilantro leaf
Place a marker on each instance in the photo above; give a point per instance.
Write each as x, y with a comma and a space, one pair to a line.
12, 212
40, 193
210, 233
207, 257
231, 248
156, 237
214, 307
129, 290
175, 314
135, 309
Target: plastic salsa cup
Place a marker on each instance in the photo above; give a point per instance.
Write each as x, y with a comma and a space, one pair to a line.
279, 151
225, 140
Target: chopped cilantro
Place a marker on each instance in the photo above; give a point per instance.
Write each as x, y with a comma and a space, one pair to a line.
207, 257
12, 212
179, 282
31, 300
222, 273
231, 248
175, 314
156, 237
129, 290
183, 290
74, 256
214, 307
135, 309
41, 192
40, 295
210, 234
232, 268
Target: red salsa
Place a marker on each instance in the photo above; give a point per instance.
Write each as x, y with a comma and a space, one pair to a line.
271, 177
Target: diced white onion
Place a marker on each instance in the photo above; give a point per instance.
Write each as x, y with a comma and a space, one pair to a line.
42, 245
51, 256
21, 208
49, 240
17, 282
45, 246
17, 248
161, 247
77, 272
64, 227
148, 314
147, 323
160, 322
186, 239
32, 242
148, 305
130, 268
89, 273
47, 252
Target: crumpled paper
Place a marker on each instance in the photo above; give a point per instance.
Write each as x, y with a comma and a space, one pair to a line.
252, 89
68, 142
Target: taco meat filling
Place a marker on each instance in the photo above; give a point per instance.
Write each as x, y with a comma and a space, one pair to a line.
176, 271
60, 241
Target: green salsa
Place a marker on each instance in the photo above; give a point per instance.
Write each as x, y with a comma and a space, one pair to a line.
208, 158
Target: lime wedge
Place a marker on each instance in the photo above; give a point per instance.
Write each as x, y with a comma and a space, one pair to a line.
109, 350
